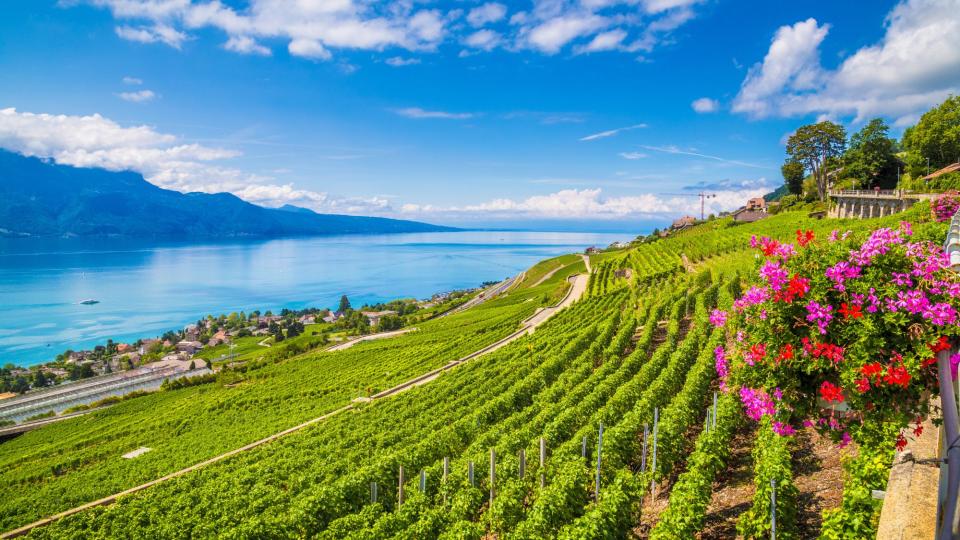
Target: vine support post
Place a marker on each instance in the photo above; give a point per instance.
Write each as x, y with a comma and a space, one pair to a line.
423, 481
596, 494
951, 428
523, 462
653, 462
400, 488
714, 409
470, 474
643, 454
773, 509
373, 492
446, 471
543, 462
583, 448
493, 473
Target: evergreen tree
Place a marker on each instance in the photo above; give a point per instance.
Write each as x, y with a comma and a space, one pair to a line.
344, 304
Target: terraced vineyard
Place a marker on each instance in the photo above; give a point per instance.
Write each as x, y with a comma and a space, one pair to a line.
634, 360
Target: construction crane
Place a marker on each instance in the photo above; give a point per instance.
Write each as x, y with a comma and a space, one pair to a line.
703, 198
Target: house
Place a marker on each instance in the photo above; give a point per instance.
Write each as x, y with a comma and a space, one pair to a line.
332, 317
953, 167
619, 245
189, 347
7, 395
307, 319
757, 203
146, 345
218, 338
123, 347
375, 316
592, 250
745, 215
685, 221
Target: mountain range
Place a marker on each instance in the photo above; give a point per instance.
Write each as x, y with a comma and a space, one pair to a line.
40, 198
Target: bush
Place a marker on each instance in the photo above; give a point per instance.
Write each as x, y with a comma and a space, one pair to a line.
944, 207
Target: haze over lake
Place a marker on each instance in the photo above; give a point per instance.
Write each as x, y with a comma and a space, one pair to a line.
145, 290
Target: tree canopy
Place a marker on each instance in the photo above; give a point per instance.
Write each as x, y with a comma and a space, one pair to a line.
344, 304
815, 146
793, 174
871, 157
935, 137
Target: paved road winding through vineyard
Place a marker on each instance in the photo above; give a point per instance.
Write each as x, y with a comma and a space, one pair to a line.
577, 288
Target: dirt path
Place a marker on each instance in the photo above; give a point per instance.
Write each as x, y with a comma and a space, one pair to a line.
528, 326
732, 489
586, 261
687, 265
370, 337
818, 475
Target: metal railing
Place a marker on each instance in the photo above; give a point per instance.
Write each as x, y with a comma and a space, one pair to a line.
868, 192
947, 514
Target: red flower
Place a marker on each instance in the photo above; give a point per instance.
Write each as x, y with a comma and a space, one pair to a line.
901, 443
829, 351
804, 238
786, 353
831, 392
872, 371
796, 288
942, 344
917, 431
850, 312
897, 376
769, 247
863, 384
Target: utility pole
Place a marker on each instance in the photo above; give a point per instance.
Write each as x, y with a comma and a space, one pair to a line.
703, 197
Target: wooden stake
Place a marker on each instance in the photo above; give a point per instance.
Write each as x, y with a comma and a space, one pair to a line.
400, 488
543, 462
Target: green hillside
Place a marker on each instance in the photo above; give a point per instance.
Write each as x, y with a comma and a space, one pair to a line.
636, 343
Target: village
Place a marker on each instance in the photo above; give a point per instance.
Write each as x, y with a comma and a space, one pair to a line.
214, 341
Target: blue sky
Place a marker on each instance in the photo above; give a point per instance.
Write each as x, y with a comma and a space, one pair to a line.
475, 113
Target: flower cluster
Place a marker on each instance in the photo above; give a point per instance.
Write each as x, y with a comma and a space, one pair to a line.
944, 207
848, 327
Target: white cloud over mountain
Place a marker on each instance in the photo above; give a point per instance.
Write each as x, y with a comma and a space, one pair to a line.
315, 30
913, 67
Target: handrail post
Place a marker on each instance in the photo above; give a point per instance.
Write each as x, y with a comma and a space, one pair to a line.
951, 427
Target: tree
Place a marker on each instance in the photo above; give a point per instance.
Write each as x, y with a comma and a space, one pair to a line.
344, 304
793, 174
936, 137
814, 145
871, 155
39, 379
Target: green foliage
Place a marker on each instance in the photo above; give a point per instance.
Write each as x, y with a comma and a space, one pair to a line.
871, 157
815, 146
771, 461
936, 138
793, 174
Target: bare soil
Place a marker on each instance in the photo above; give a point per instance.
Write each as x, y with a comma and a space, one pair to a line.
818, 475
732, 489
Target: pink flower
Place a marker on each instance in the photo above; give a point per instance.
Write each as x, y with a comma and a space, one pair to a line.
844, 440
784, 430
902, 279
774, 274
722, 367
954, 362
820, 314
718, 318
753, 296
841, 272
757, 403
940, 314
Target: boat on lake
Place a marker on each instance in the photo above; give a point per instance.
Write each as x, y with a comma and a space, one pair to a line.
89, 302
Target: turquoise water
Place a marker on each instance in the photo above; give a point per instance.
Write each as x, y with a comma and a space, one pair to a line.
146, 290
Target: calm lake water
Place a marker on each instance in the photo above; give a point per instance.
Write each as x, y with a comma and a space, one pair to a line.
146, 290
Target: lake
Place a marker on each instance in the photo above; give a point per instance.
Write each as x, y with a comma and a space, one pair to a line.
145, 290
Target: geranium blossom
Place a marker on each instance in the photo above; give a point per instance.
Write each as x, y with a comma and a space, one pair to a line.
718, 318
757, 403
721, 365
774, 274
819, 314
841, 272
753, 296
831, 392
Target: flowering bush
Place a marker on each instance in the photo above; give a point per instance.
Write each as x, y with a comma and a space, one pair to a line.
841, 334
944, 207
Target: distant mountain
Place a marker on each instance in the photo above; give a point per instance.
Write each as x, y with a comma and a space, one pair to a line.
41, 198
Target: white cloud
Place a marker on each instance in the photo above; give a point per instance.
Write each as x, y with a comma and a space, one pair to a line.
678, 151
483, 39
913, 67
158, 33
163, 159
552, 35
487, 13
605, 41
399, 61
632, 155
132, 81
308, 48
318, 28
611, 132
591, 204
419, 114
140, 96
245, 45
705, 105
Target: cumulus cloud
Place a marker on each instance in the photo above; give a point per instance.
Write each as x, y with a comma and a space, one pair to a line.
592, 204
483, 39
399, 61
705, 105
420, 114
487, 13
611, 132
246, 45
317, 30
132, 81
140, 96
911, 68
163, 159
